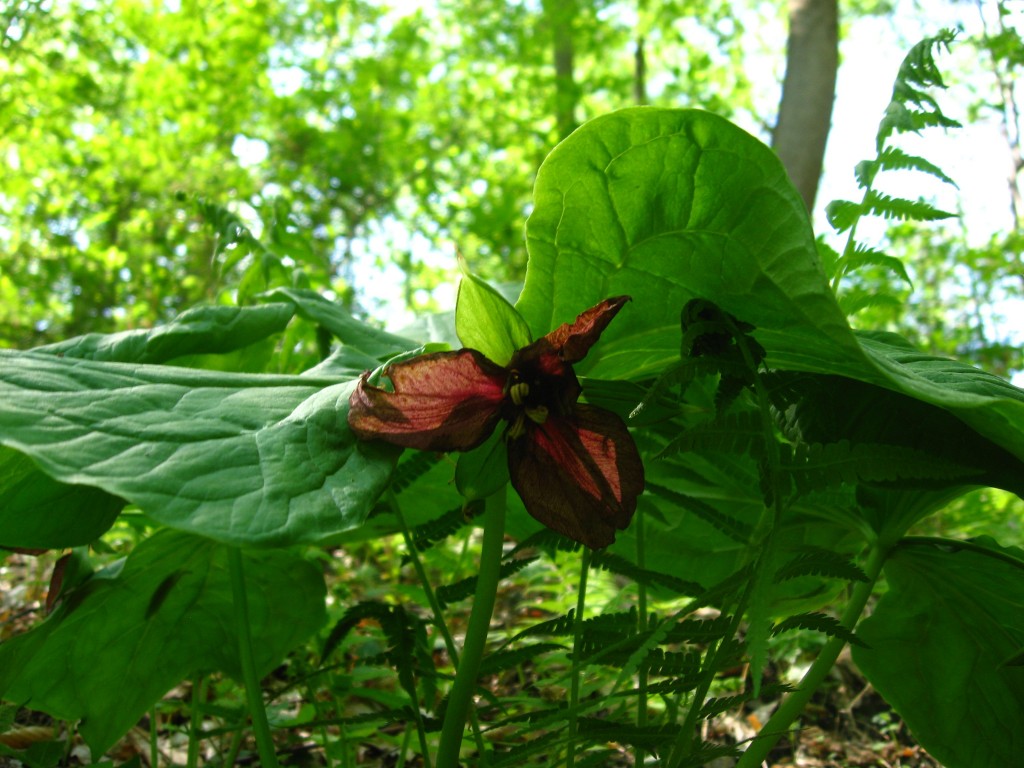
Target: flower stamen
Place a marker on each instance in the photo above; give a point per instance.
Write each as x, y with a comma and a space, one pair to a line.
519, 392
538, 414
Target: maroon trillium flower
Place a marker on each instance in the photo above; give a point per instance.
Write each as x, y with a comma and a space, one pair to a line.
574, 465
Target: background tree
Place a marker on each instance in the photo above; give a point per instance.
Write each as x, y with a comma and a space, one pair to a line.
805, 110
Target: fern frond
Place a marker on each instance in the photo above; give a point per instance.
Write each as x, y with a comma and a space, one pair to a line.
412, 467
429, 533
895, 159
700, 630
917, 72
651, 737
560, 626
736, 530
818, 622
678, 375
546, 540
901, 209
610, 625
759, 621
392, 715
662, 663
815, 561
460, 590
857, 299
843, 214
828, 256
716, 706
708, 753
863, 256
818, 466
675, 686
517, 755
406, 635
598, 758
619, 565
735, 432
499, 661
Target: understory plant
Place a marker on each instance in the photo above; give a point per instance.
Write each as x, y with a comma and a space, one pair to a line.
676, 398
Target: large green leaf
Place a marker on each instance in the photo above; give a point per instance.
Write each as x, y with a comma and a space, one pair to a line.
244, 459
131, 633
40, 513
373, 342
940, 646
201, 330
671, 205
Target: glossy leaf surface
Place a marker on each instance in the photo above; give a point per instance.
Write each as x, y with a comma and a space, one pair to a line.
244, 459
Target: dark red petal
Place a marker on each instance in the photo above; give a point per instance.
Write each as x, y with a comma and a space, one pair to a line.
574, 340
444, 401
579, 475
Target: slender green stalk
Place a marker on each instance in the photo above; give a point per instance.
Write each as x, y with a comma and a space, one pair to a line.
787, 713
253, 695
195, 721
154, 747
231, 756
324, 736
439, 622
421, 574
685, 741
461, 697
641, 607
577, 652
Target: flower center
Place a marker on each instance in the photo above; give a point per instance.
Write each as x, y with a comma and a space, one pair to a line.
527, 405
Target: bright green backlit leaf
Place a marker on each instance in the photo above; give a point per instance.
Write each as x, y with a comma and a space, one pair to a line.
201, 330
486, 322
670, 205
129, 635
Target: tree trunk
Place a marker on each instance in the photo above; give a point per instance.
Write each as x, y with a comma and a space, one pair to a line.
559, 16
805, 110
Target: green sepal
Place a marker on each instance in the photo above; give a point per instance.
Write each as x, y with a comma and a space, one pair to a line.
486, 322
484, 470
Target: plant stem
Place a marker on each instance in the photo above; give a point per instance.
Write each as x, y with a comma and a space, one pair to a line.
438, 613
577, 652
253, 695
791, 707
154, 746
461, 696
421, 574
641, 605
195, 722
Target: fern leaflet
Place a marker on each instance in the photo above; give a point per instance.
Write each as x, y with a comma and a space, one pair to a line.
815, 561
460, 590
818, 622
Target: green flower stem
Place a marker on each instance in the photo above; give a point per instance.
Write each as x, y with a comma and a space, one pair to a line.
260, 726
461, 697
438, 613
577, 652
421, 574
195, 722
641, 607
779, 723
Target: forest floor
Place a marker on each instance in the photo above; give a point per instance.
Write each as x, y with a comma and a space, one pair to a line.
847, 725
